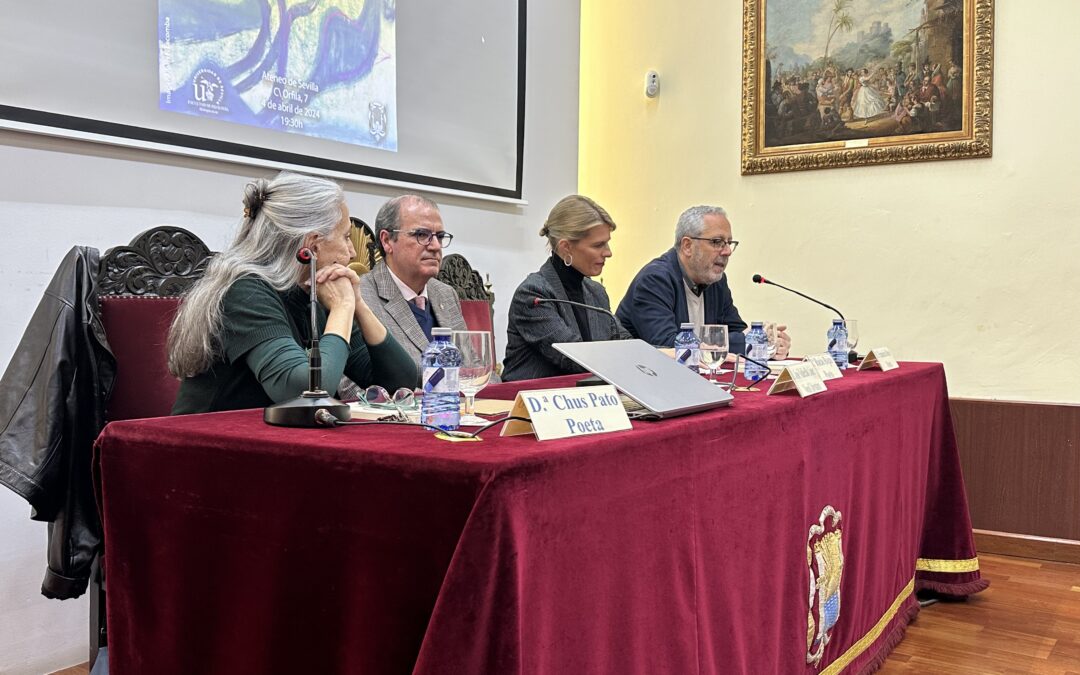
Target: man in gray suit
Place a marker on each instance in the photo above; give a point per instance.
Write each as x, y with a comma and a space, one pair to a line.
402, 289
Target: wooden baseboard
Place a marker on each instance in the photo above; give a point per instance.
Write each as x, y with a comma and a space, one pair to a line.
1027, 546
1021, 465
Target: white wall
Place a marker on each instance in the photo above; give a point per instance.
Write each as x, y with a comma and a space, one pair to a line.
56, 193
971, 263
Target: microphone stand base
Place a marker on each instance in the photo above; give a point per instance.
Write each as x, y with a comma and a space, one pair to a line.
300, 411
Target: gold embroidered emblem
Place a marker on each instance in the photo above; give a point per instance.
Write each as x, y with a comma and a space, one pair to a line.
825, 562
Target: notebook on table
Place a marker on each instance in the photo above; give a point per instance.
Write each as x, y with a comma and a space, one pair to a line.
647, 376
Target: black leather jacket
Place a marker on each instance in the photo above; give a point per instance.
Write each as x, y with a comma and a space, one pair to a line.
52, 407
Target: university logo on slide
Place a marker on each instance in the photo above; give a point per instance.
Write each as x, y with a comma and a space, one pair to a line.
207, 89
825, 560
321, 69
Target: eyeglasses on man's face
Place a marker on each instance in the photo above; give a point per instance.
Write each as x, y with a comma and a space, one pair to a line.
424, 236
718, 243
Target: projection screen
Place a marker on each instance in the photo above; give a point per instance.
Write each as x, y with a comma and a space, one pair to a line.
422, 93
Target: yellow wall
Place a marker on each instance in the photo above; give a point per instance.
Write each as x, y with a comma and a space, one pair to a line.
972, 263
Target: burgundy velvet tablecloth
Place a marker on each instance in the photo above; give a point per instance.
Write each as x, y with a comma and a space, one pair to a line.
682, 546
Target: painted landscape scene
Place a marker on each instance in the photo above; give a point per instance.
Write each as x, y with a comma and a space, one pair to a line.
838, 70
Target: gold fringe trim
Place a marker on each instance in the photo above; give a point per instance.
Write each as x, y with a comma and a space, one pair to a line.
859, 647
953, 566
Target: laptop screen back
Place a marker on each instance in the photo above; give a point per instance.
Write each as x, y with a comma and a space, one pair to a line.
646, 375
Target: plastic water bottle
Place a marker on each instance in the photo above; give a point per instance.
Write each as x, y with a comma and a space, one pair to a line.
686, 346
441, 406
757, 348
838, 345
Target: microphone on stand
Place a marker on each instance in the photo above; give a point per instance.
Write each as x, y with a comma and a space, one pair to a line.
758, 279
311, 407
613, 335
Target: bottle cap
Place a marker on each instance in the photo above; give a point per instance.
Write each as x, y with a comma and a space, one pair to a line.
686, 326
445, 332
757, 324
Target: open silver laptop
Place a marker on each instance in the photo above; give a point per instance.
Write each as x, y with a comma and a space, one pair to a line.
647, 375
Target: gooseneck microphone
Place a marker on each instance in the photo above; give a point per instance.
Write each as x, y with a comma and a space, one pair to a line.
306, 256
311, 407
614, 335
758, 279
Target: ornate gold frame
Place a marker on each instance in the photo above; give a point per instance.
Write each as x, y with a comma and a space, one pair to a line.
973, 140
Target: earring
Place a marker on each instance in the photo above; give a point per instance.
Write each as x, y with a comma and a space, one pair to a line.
568, 260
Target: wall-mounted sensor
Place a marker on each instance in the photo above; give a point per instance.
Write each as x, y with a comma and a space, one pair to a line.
652, 84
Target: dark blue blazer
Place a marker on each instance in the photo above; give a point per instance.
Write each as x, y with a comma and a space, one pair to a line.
655, 305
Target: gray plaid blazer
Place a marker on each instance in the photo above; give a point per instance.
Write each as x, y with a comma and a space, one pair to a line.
384, 298
532, 330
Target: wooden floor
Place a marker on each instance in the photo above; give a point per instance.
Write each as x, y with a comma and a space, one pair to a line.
1028, 621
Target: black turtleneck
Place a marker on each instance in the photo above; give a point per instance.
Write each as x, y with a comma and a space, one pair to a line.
573, 282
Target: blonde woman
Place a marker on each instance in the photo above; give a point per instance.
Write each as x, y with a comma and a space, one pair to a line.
578, 232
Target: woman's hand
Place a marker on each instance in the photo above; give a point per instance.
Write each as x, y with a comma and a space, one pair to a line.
337, 287
340, 286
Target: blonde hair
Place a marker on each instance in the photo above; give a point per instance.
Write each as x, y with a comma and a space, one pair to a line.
571, 218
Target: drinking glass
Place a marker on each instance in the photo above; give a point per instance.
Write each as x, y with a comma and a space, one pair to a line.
475, 370
852, 327
713, 347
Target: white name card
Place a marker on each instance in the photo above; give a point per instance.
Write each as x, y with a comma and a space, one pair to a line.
561, 413
803, 377
825, 365
879, 357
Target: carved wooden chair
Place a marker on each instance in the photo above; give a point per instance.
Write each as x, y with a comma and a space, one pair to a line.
367, 249
139, 288
475, 294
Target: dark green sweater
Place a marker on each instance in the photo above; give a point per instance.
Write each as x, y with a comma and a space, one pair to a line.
260, 360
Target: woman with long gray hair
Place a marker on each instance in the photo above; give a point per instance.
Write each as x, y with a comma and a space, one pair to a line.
238, 338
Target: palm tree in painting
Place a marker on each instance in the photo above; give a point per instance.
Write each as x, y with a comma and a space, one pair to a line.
840, 20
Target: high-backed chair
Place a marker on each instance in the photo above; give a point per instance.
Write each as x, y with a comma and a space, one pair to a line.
367, 249
476, 296
139, 288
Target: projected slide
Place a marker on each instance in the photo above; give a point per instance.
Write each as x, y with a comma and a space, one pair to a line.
322, 68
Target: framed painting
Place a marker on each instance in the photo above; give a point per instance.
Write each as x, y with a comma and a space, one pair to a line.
833, 83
